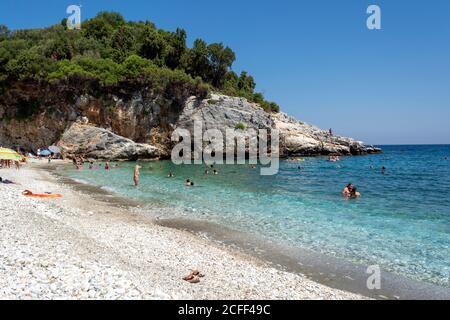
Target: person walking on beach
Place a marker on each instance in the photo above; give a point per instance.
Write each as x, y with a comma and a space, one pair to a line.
136, 175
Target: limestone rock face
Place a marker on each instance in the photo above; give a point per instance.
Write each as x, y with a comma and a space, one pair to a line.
299, 138
223, 113
142, 116
237, 114
98, 143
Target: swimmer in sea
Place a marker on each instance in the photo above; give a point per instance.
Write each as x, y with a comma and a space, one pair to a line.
383, 170
355, 194
348, 190
170, 175
189, 183
215, 172
206, 171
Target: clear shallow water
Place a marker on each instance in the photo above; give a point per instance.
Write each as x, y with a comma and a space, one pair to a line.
401, 223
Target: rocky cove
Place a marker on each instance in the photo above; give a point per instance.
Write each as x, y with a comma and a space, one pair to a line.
126, 123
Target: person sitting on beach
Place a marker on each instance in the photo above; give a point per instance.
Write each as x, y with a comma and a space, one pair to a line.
355, 194
347, 190
189, 183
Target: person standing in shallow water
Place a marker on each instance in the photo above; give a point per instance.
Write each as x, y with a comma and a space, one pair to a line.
136, 175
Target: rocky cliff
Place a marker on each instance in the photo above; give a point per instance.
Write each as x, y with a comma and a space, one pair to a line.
137, 123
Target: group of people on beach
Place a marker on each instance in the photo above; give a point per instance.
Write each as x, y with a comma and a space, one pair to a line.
9, 164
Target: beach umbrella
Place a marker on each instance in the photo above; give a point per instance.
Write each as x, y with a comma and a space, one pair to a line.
8, 154
45, 153
55, 149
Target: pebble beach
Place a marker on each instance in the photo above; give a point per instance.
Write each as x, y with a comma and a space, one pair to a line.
77, 247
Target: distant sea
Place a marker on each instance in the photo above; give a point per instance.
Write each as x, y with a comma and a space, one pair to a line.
402, 221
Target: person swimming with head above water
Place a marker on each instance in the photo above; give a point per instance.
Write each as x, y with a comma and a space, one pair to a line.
170, 175
347, 190
189, 183
215, 172
354, 193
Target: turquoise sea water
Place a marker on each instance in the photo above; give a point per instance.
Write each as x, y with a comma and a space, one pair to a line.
402, 221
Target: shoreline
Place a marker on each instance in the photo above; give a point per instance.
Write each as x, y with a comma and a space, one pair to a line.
327, 270
79, 247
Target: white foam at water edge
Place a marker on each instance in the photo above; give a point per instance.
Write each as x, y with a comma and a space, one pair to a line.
80, 181
109, 189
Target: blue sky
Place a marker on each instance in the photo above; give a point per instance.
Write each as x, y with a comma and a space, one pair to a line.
316, 58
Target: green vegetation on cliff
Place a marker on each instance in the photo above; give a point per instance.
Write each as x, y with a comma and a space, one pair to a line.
112, 51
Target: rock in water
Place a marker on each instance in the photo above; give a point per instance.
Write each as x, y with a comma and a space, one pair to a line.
296, 138
299, 138
99, 143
